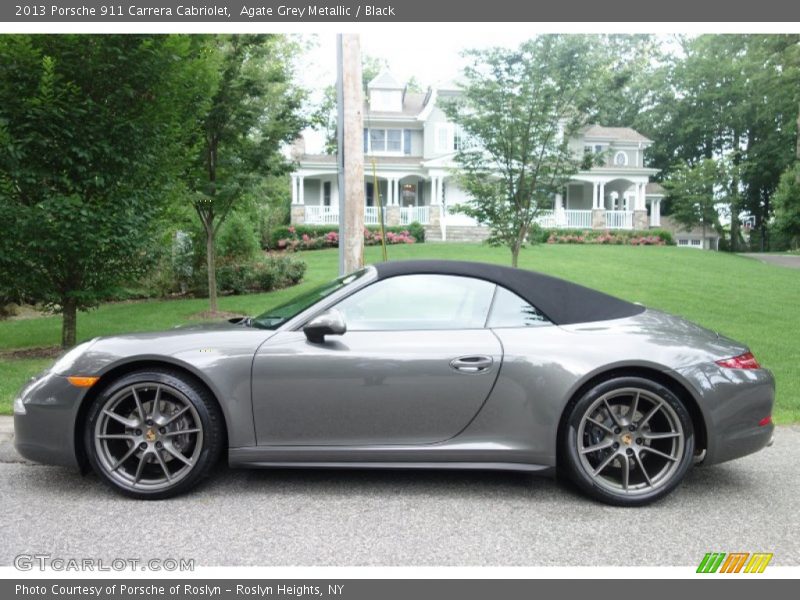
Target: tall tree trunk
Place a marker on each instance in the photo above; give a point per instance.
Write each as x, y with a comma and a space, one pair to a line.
735, 194
69, 321
514, 254
211, 264
797, 143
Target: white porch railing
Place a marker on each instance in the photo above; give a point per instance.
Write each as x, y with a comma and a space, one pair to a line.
572, 219
371, 215
619, 219
329, 215
322, 215
409, 214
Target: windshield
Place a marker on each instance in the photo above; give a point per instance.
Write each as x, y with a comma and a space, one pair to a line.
277, 316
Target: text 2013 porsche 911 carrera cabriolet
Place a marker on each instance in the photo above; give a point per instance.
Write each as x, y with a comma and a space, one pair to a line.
418, 364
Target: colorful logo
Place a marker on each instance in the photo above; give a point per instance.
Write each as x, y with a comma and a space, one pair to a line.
734, 562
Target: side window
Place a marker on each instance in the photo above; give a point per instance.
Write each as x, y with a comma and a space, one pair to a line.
419, 302
509, 310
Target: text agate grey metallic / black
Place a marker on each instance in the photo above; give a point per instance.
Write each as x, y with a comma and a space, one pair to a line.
519, 371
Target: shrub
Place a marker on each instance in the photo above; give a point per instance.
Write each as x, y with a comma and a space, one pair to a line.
260, 275
310, 237
631, 237
237, 239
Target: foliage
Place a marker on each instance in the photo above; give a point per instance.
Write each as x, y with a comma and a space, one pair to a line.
787, 206
694, 192
733, 97
91, 131
254, 109
260, 274
329, 238
649, 237
517, 111
415, 230
237, 240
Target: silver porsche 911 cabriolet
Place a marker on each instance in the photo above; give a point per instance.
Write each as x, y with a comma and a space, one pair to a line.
418, 364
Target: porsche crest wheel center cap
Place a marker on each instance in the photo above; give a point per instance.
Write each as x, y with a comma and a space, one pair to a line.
150, 435
627, 439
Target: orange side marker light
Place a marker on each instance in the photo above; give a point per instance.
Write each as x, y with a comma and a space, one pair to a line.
82, 382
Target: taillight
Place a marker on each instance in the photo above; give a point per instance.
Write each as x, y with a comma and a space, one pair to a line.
743, 361
765, 421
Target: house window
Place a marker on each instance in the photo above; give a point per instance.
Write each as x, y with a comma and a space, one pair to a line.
697, 243
683, 242
386, 140
326, 193
621, 159
598, 148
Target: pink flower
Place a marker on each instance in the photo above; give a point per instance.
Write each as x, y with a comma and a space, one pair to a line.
305, 237
292, 229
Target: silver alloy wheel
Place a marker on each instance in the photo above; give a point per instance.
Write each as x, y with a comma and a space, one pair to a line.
630, 441
148, 436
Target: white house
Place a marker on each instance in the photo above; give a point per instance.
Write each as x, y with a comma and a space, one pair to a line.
409, 147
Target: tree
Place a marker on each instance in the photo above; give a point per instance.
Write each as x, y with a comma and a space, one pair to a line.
694, 193
254, 110
787, 205
517, 112
90, 136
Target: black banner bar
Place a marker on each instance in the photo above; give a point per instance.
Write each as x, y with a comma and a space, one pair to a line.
386, 589
283, 11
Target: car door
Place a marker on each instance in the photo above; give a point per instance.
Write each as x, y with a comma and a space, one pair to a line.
414, 367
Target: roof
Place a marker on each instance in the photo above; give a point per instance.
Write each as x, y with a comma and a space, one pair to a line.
679, 230
413, 103
561, 301
655, 189
621, 134
381, 160
385, 81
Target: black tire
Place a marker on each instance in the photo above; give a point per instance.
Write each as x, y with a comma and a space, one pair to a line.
126, 427
623, 459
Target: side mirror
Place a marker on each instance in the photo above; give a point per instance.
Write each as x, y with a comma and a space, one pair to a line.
331, 322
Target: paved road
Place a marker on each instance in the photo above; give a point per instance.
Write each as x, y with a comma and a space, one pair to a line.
295, 517
782, 260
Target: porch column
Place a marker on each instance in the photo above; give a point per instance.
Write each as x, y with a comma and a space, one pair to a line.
595, 189
294, 188
301, 191
393, 193
602, 199
640, 209
655, 212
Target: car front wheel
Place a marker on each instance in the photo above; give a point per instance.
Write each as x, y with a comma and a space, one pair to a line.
628, 441
153, 434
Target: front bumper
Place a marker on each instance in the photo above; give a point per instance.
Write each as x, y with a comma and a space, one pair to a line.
45, 433
733, 402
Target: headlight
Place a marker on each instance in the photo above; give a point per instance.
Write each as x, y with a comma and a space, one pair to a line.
64, 364
19, 406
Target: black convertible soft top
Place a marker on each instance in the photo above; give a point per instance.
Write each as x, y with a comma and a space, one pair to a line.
561, 301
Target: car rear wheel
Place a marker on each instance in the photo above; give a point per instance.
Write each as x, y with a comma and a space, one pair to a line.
628, 441
153, 434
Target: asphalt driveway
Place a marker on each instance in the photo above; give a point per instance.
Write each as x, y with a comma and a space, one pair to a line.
324, 517
791, 261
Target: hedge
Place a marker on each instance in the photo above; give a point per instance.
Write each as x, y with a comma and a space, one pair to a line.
283, 232
604, 236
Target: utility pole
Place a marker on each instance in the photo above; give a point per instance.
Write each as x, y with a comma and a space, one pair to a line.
350, 153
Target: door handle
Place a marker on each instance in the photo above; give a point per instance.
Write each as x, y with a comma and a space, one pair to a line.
472, 364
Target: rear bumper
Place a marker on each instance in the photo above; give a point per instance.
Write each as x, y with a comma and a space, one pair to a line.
45, 433
733, 402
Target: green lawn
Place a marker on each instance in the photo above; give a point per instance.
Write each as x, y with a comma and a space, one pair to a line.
742, 298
